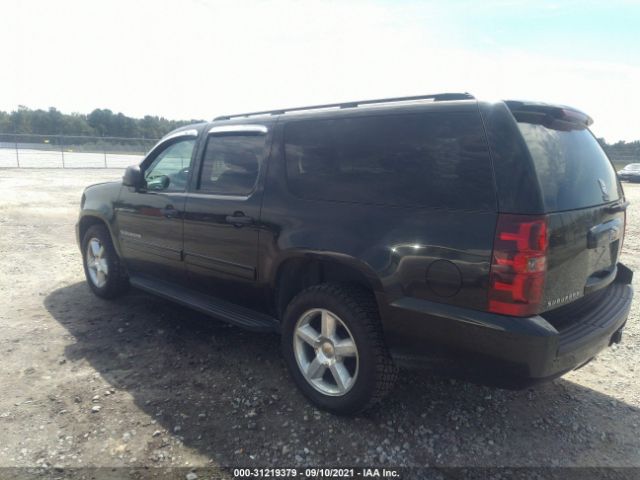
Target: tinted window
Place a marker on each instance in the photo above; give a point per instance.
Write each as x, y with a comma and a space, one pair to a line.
169, 171
231, 163
435, 160
573, 170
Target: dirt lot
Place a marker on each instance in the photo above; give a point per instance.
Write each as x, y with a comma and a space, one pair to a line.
142, 382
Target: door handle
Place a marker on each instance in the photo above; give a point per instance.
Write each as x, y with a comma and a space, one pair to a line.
605, 233
169, 211
239, 219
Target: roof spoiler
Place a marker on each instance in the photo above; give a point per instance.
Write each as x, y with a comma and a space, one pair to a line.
559, 117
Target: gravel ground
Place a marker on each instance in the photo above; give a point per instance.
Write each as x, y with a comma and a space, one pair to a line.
142, 382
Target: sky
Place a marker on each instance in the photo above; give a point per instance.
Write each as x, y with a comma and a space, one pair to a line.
198, 58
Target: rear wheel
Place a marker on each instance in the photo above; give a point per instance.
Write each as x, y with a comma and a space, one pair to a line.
102, 267
333, 346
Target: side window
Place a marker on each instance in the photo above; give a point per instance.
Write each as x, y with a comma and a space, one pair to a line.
428, 159
231, 163
169, 171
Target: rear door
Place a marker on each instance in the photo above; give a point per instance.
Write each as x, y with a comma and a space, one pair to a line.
583, 200
222, 214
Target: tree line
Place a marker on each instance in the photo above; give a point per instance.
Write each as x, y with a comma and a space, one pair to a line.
622, 152
105, 123
100, 123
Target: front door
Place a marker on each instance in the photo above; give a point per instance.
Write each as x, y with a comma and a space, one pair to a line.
150, 219
222, 215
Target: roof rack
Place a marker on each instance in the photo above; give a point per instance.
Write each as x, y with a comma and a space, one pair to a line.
436, 98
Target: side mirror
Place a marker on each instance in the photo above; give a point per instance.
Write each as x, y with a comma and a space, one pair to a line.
133, 177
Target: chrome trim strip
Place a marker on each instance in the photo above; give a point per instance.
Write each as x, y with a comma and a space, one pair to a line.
219, 265
238, 129
149, 248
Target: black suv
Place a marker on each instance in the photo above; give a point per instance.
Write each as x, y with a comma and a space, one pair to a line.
377, 233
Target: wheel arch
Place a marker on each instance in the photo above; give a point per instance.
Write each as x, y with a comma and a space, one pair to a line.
302, 269
90, 218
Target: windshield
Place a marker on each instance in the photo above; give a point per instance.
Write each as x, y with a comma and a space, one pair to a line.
633, 166
573, 169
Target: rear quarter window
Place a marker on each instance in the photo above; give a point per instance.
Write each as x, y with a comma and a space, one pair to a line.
436, 160
573, 170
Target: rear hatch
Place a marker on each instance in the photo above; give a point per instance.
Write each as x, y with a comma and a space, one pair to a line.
582, 199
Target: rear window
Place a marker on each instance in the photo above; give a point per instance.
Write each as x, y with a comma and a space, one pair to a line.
433, 160
573, 169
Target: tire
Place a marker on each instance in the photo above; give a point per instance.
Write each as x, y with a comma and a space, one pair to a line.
370, 372
113, 281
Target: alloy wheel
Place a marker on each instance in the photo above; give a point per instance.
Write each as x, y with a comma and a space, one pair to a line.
97, 265
326, 352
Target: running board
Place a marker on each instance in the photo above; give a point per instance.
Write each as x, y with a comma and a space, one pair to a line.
229, 312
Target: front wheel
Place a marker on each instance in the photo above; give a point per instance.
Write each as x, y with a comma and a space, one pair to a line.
102, 267
333, 346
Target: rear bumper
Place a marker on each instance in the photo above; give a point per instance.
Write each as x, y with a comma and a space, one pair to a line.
503, 350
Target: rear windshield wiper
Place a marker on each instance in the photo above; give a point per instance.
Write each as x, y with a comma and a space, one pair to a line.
617, 207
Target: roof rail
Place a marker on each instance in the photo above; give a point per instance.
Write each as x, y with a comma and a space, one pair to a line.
436, 98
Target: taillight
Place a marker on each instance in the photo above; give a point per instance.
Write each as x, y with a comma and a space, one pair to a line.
519, 264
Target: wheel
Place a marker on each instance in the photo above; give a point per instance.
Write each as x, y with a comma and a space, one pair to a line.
102, 267
333, 346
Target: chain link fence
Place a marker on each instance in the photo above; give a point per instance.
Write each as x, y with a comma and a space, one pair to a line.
65, 151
